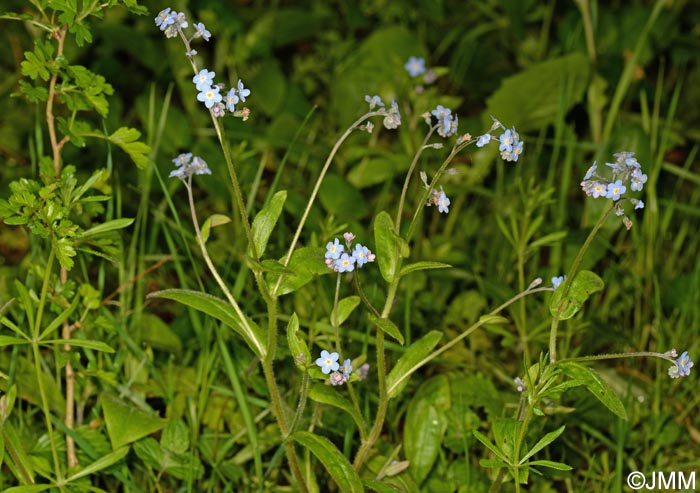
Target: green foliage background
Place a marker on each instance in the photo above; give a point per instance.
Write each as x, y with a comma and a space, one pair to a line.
309, 65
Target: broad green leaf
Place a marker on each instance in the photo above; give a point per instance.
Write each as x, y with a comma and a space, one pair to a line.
297, 345
345, 308
107, 226
212, 222
220, 310
101, 463
333, 461
265, 221
387, 326
532, 98
544, 441
407, 269
387, 244
412, 359
425, 425
560, 466
583, 285
306, 262
329, 395
126, 423
587, 377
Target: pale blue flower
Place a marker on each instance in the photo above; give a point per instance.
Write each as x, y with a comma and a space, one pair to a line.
209, 96
615, 190
392, 118
231, 100
242, 91
346, 263
360, 253
165, 18
599, 190
328, 362
183, 159
334, 249
415, 66
374, 101
483, 140
590, 171
347, 368
506, 140
556, 281
684, 364
202, 31
443, 203
203, 79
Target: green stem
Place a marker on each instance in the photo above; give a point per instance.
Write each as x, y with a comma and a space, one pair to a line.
633, 354
36, 330
334, 318
566, 285
407, 181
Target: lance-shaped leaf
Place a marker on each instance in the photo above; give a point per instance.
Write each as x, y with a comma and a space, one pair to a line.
583, 285
265, 221
412, 359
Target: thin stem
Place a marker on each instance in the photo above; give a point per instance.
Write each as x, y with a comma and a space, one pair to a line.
569, 279
633, 354
317, 187
334, 318
55, 147
407, 181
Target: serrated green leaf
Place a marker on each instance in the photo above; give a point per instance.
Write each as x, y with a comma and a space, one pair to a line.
411, 360
345, 308
220, 310
35, 65
588, 378
583, 285
212, 222
297, 345
388, 247
106, 227
265, 221
329, 395
388, 327
333, 461
126, 423
127, 138
407, 269
63, 247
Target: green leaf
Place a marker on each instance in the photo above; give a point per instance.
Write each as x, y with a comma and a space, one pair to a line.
388, 327
11, 341
96, 345
220, 310
544, 441
101, 463
127, 139
34, 488
583, 285
18, 456
329, 395
388, 246
378, 486
265, 221
583, 375
335, 463
306, 262
56, 322
412, 359
425, 425
212, 222
559, 466
106, 227
407, 269
297, 345
345, 308
64, 252
176, 437
126, 423
157, 333
36, 63
491, 446
532, 98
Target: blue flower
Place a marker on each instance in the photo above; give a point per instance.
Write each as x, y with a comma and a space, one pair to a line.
334, 249
242, 91
347, 368
328, 362
483, 140
506, 141
202, 31
599, 190
165, 18
374, 101
360, 253
615, 190
209, 96
203, 79
684, 364
346, 263
415, 66
638, 204
183, 159
443, 203
440, 112
186, 166
590, 171
392, 118
231, 100
517, 150
556, 281
637, 179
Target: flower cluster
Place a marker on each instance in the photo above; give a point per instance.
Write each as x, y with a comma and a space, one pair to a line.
186, 166
510, 145
339, 261
171, 22
626, 172
682, 366
328, 362
392, 117
210, 94
446, 121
